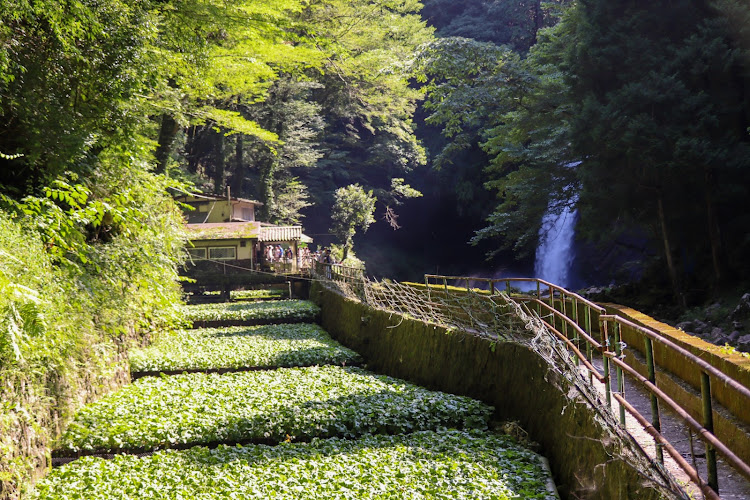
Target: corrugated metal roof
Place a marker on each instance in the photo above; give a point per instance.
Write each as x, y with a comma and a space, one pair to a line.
245, 230
280, 233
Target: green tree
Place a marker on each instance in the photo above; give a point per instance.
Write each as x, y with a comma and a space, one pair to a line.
70, 77
353, 209
513, 109
345, 119
292, 199
208, 73
661, 120
532, 167
503, 22
365, 95
462, 79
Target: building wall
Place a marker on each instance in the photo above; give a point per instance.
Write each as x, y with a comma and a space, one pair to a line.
243, 210
207, 211
240, 252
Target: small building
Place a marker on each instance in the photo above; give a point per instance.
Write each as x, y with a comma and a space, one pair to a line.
213, 209
225, 229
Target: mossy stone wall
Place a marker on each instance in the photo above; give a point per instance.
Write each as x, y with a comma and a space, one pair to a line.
509, 376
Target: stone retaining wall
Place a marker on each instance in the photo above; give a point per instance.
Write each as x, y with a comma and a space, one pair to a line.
511, 377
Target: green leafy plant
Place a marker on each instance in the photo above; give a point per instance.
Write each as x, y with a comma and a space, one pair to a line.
445, 464
238, 347
258, 294
276, 310
288, 404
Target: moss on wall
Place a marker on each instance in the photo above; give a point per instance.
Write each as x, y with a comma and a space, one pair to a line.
37, 406
675, 372
509, 376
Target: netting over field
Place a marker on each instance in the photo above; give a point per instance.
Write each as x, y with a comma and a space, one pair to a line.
499, 317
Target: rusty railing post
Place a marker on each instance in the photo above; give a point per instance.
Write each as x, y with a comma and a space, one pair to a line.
552, 304
708, 424
655, 418
587, 328
564, 310
618, 371
605, 361
574, 317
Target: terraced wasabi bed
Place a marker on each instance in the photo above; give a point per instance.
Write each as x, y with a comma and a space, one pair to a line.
440, 465
299, 344
263, 406
264, 294
278, 310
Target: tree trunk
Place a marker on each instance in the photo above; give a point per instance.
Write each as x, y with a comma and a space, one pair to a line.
167, 134
714, 234
668, 253
238, 172
538, 20
267, 168
190, 149
218, 160
345, 252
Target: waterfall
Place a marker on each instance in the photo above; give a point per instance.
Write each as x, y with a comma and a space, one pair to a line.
555, 253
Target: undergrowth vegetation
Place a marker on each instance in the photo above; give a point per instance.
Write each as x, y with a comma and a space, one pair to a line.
85, 273
298, 344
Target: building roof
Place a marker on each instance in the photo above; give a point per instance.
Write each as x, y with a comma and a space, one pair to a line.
223, 230
210, 197
245, 230
280, 233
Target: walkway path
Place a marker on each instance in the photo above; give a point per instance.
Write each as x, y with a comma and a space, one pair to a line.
732, 485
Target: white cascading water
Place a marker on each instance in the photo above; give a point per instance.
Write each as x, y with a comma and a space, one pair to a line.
555, 253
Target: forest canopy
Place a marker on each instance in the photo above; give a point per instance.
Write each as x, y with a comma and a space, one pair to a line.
496, 111
637, 114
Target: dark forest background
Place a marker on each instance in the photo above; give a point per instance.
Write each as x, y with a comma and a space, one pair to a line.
481, 105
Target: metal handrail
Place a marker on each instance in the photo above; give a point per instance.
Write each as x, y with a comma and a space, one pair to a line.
702, 364
339, 272
704, 430
540, 284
